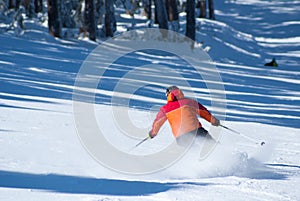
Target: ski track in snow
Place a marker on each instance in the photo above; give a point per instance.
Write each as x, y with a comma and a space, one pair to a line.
42, 157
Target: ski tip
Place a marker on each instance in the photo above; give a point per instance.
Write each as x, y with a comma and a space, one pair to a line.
262, 143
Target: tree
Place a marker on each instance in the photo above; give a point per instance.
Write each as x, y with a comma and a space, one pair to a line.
38, 4
99, 11
172, 11
89, 19
161, 12
190, 19
202, 6
11, 4
18, 4
67, 16
110, 20
147, 9
54, 19
211, 9
29, 7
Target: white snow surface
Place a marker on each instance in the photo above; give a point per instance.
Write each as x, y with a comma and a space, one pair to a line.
42, 157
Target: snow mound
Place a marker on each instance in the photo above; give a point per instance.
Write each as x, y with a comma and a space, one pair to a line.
224, 160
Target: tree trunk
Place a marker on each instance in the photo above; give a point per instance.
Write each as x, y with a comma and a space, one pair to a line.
162, 16
11, 4
89, 19
147, 9
173, 15
155, 12
99, 11
18, 4
54, 22
202, 8
38, 6
190, 19
29, 7
211, 9
172, 9
110, 20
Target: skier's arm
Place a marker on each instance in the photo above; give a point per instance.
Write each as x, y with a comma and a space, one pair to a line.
158, 122
205, 114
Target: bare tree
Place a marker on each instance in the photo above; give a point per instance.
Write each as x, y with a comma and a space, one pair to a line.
211, 9
29, 7
147, 9
67, 16
161, 14
173, 17
38, 6
99, 11
54, 19
11, 4
202, 6
190, 19
18, 4
110, 20
89, 19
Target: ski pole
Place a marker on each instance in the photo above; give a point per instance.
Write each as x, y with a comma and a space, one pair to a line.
231, 130
245, 136
141, 142
138, 144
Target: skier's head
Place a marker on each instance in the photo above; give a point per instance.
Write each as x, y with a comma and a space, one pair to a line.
173, 93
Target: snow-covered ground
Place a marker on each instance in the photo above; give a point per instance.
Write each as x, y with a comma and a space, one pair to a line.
42, 156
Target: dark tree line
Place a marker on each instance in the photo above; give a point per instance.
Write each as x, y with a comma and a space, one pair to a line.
87, 14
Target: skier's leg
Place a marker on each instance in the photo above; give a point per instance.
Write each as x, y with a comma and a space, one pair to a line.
187, 138
204, 133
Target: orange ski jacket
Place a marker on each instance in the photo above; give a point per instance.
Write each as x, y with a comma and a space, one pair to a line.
182, 115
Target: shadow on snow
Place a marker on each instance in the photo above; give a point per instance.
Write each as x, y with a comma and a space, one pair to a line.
82, 185
253, 94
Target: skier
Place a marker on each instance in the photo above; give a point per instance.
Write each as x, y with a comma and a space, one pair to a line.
181, 114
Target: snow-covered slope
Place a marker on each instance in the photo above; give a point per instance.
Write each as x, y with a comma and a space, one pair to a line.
42, 157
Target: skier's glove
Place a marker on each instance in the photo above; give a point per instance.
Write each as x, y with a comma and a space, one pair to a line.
216, 123
151, 135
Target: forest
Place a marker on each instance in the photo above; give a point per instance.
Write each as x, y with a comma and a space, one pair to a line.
97, 18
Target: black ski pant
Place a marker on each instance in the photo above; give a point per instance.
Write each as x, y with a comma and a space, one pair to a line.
188, 137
